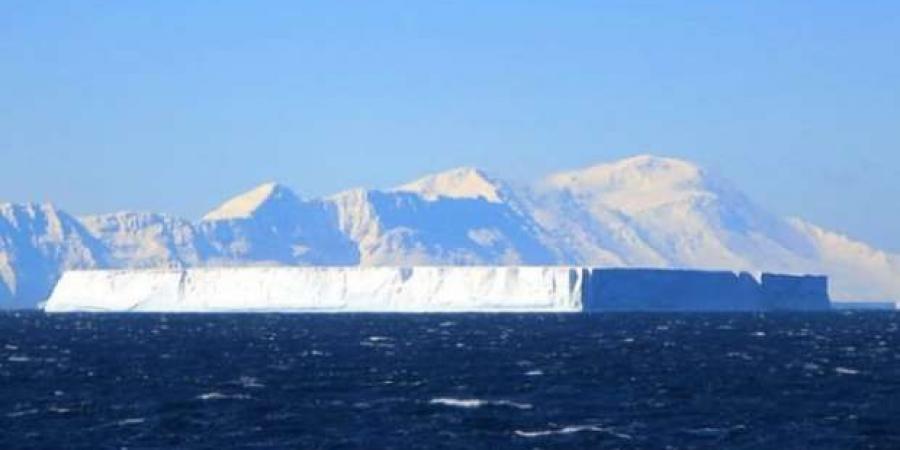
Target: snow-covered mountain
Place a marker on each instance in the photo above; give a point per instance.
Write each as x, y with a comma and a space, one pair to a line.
37, 242
456, 217
643, 211
662, 212
146, 240
272, 225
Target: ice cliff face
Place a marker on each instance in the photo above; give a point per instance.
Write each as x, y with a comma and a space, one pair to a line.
432, 289
639, 212
322, 289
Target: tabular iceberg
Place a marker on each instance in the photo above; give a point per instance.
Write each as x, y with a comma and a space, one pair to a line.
430, 289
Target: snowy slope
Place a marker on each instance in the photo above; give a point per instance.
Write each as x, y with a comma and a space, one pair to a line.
456, 217
37, 243
663, 212
660, 211
272, 225
644, 211
858, 271
460, 183
144, 240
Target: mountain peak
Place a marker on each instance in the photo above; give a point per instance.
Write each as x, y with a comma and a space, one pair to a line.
643, 172
655, 162
246, 204
29, 210
638, 183
461, 182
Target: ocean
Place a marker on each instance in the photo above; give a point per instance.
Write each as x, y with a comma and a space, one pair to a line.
827, 380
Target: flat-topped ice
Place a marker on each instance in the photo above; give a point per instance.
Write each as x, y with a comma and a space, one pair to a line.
430, 289
325, 289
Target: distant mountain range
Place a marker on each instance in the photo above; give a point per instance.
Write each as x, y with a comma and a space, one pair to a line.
643, 211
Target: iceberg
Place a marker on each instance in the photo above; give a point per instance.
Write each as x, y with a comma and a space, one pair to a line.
427, 289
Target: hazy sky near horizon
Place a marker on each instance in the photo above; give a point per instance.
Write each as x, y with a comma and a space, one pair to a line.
174, 106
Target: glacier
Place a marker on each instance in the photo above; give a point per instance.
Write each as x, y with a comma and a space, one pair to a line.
431, 289
644, 211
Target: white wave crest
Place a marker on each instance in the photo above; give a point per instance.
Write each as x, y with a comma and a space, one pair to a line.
477, 403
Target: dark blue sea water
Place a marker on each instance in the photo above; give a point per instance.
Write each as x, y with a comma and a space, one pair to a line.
632, 381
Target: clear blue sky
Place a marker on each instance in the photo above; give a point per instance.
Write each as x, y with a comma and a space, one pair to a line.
174, 105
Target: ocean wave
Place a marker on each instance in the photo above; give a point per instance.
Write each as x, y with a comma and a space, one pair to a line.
845, 371
572, 429
134, 421
221, 396
471, 403
26, 412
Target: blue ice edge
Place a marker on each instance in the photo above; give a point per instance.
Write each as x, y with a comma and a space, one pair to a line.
433, 289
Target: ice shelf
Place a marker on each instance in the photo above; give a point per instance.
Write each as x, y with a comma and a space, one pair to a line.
429, 289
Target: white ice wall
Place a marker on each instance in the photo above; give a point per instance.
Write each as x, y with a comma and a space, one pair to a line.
111, 290
388, 289
431, 289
